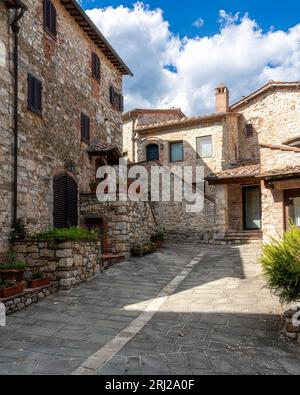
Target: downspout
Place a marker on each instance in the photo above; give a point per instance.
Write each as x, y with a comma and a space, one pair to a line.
16, 29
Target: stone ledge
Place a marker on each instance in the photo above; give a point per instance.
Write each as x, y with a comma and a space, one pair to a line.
28, 296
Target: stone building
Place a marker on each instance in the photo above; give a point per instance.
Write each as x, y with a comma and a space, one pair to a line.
61, 101
250, 152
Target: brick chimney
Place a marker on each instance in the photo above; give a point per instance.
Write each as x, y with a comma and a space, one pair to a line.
222, 99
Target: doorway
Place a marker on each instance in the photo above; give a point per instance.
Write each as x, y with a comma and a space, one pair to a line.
252, 208
292, 207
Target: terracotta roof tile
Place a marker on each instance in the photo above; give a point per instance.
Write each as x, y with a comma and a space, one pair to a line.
243, 169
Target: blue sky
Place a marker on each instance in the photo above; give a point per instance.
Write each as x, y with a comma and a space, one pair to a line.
268, 13
180, 53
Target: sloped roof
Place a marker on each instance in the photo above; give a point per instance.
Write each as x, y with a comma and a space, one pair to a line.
15, 4
95, 35
142, 111
183, 122
281, 147
242, 170
278, 173
271, 85
99, 148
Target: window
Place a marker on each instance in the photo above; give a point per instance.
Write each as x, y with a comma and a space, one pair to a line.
249, 130
95, 66
85, 128
49, 17
65, 201
152, 152
34, 94
204, 147
116, 99
176, 152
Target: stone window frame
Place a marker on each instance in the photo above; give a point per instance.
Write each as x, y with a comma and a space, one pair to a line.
171, 143
199, 156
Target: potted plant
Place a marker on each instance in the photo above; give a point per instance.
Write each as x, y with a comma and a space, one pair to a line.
38, 280
158, 238
93, 185
10, 288
137, 250
10, 269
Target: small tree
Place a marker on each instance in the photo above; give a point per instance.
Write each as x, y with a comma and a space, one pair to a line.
281, 266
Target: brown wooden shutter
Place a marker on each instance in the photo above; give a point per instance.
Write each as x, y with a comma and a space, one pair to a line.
65, 204
49, 17
85, 128
71, 202
34, 94
59, 201
112, 95
95, 66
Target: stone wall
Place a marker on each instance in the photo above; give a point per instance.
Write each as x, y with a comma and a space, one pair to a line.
235, 207
47, 142
275, 119
124, 223
6, 132
70, 262
28, 297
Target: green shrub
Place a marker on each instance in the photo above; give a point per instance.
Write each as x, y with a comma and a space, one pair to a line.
19, 232
8, 284
158, 236
149, 247
66, 234
281, 266
10, 262
137, 250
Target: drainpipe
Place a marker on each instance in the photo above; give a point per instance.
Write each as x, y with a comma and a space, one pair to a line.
19, 12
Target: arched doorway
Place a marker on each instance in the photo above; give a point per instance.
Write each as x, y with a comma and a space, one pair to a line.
152, 152
65, 202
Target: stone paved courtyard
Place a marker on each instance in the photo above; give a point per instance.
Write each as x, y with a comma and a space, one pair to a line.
220, 320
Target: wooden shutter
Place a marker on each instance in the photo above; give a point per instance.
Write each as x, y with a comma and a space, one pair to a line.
34, 94
112, 95
49, 17
71, 202
95, 66
65, 202
59, 201
85, 128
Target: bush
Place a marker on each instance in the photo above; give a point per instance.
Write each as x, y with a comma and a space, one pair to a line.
137, 250
281, 266
7, 284
10, 262
158, 236
66, 234
149, 247
19, 232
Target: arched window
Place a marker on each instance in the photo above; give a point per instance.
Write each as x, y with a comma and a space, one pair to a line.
65, 201
152, 152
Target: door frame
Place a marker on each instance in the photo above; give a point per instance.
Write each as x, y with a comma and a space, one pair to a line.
244, 188
289, 193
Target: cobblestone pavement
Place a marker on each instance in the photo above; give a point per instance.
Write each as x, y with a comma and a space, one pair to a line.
220, 320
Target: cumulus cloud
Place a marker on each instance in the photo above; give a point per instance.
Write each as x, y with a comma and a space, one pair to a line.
198, 22
183, 71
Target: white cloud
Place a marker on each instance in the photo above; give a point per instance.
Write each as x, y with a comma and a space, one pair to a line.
198, 22
173, 71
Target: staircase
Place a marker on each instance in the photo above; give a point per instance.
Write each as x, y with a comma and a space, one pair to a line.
243, 237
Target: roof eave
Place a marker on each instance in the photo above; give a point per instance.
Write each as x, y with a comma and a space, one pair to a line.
94, 33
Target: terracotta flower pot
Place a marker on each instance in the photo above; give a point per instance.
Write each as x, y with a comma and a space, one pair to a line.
38, 282
11, 291
12, 274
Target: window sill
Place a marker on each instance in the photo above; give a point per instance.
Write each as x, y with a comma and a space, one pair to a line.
51, 35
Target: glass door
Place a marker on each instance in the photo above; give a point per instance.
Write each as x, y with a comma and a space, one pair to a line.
252, 208
292, 203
